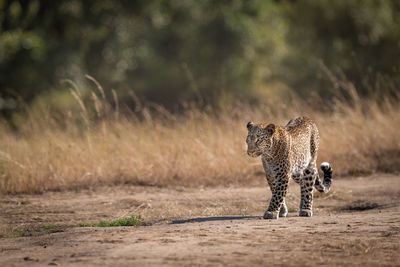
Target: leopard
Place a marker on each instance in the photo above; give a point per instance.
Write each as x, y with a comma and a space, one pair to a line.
289, 152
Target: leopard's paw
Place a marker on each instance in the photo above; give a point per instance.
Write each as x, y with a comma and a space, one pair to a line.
283, 212
305, 213
269, 215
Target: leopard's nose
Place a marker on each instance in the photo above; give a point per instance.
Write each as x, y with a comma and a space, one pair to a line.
250, 152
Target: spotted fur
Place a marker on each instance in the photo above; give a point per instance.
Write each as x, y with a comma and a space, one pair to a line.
289, 152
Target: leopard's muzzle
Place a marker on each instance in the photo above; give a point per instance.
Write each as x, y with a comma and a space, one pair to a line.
253, 153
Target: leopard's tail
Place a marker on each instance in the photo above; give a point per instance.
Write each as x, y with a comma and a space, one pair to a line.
324, 186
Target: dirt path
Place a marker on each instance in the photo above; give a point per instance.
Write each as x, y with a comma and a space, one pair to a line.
358, 223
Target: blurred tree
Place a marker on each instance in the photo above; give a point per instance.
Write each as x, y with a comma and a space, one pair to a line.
173, 51
167, 51
354, 40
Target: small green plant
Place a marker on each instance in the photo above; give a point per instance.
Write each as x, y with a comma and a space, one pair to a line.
130, 221
49, 226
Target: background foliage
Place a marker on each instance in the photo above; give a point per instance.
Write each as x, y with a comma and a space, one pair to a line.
170, 52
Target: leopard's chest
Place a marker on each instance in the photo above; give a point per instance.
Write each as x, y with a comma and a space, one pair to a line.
294, 164
274, 167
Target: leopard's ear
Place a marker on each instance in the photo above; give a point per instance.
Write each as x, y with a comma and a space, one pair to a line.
250, 125
270, 129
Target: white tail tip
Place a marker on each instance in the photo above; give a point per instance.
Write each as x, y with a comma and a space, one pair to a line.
325, 165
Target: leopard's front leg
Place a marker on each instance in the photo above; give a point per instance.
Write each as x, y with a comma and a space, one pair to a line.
278, 196
283, 210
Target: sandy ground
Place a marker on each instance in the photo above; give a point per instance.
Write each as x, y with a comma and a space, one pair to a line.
357, 223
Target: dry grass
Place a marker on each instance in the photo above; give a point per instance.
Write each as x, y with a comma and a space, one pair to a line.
98, 145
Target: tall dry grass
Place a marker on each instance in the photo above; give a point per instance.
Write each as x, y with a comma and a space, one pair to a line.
150, 146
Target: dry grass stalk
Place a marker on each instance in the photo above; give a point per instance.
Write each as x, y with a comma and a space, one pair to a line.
194, 149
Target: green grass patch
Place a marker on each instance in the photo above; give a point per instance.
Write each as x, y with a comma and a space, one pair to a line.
130, 221
49, 226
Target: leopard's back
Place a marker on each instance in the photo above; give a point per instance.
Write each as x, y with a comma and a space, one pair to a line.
304, 141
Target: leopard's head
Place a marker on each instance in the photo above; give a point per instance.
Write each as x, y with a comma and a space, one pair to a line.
259, 138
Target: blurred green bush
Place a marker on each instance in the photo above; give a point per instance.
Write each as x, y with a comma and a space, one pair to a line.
174, 51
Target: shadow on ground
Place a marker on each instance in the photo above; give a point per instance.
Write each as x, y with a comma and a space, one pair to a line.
215, 218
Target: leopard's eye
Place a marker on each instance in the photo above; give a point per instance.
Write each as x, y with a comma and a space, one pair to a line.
258, 140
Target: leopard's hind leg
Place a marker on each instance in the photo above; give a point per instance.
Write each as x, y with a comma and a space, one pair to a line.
310, 174
307, 187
